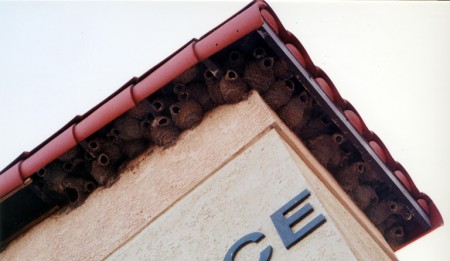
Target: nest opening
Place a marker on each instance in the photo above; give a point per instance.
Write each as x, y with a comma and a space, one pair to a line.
68, 166
303, 97
399, 231
259, 52
93, 145
41, 172
289, 84
163, 121
360, 167
208, 75
407, 215
325, 119
231, 75
175, 109
184, 96
268, 62
157, 105
393, 206
103, 160
146, 125
90, 186
179, 88
72, 194
338, 138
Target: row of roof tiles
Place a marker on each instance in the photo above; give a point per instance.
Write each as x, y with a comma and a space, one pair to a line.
247, 20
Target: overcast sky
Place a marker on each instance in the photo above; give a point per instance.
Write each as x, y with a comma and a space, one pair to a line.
390, 60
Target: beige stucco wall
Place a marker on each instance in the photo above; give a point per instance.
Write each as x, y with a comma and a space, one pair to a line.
205, 161
235, 201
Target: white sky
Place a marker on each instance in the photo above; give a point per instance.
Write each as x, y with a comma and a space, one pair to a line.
391, 60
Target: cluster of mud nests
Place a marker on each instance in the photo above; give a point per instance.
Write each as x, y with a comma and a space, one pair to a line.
225, 78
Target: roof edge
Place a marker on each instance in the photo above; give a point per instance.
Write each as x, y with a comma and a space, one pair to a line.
135, 90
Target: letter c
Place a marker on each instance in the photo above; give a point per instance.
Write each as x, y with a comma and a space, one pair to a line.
254, 237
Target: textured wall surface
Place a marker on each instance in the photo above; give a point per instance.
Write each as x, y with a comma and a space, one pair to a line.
148, 185
235, 201
222, 180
